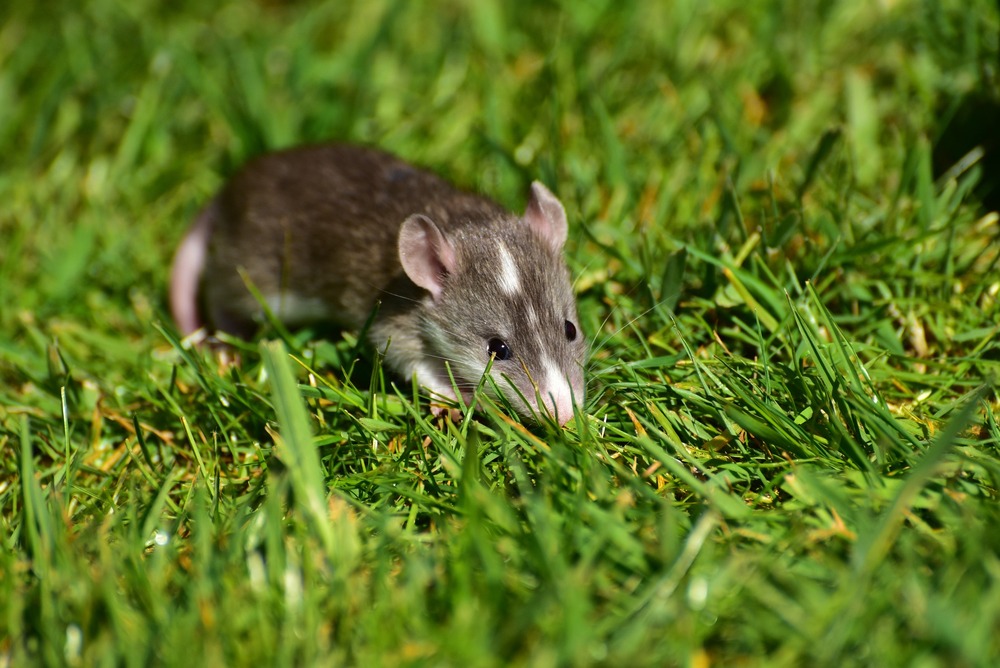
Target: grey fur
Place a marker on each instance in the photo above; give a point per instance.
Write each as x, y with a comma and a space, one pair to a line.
319, 226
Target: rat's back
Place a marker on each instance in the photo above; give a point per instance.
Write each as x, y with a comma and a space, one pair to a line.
314, 230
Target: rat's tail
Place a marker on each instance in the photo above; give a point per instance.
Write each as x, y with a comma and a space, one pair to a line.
185, 274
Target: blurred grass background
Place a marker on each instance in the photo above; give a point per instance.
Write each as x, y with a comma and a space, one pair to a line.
784, 235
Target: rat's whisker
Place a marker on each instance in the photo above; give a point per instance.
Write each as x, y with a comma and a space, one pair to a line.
629, 323
395, 295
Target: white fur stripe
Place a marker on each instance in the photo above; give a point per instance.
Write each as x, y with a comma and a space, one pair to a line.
556, 393
293, 309
510, 281
533, 320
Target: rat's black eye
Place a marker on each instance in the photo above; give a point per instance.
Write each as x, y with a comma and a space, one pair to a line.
499, 349
570, 331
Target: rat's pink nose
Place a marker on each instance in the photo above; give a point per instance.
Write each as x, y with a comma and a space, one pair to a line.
559, 394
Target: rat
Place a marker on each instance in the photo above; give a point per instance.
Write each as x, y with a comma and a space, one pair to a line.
332, 233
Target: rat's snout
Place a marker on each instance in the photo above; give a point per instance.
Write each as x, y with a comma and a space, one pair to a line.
559, 393
559, 408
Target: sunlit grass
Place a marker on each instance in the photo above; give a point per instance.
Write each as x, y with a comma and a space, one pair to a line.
789, 450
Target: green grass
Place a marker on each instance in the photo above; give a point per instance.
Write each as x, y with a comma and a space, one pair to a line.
790, 452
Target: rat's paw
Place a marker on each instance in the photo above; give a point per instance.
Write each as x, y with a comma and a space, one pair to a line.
444, 411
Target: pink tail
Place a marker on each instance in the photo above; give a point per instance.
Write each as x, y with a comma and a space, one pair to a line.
185, 274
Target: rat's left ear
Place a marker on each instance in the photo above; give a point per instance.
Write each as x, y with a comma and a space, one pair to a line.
425, 253
546, 215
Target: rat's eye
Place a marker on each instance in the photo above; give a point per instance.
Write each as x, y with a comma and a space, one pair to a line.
499, 349
570, 331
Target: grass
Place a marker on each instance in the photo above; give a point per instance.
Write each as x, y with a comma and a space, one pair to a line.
790, 451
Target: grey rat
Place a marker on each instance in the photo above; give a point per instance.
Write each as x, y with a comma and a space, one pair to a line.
326, 233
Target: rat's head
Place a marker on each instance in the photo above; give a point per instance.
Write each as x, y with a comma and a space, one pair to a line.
500, 291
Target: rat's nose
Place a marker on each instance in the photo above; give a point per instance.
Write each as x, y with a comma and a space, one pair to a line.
560, 393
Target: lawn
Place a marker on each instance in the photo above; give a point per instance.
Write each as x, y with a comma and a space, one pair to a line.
786, 251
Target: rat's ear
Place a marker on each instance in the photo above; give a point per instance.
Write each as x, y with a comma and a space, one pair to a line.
425, 253
545, 214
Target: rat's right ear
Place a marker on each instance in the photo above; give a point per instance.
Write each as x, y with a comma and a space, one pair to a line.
425, 253
545, 213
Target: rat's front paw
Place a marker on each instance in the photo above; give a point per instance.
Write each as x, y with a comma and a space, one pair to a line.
443, 410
